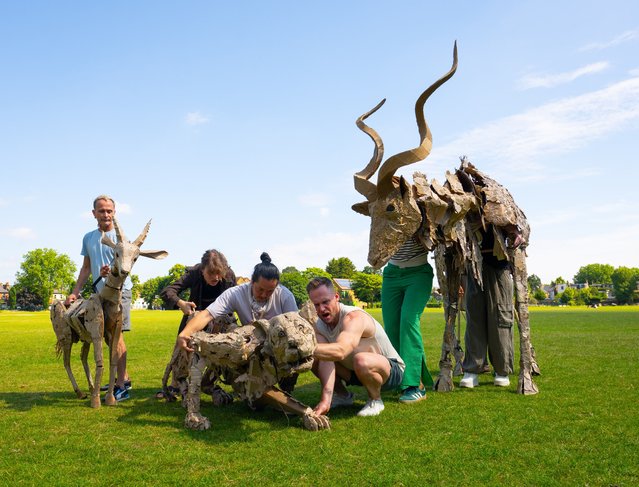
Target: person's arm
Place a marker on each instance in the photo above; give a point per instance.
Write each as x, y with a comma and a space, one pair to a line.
222, 305
353, 328
195, 324
171, 293
326, 373
85, 272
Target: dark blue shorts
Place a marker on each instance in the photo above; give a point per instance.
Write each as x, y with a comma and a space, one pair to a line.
394, 379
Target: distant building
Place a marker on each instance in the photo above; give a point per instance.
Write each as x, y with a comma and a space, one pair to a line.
606, 289
57, 296
552, 291
139, 303
4, 295
345, 289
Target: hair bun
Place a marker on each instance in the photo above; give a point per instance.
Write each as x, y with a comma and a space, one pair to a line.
265, 258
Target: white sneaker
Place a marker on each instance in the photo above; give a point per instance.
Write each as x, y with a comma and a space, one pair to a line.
469, 380
372, 408
502, 380
341, 400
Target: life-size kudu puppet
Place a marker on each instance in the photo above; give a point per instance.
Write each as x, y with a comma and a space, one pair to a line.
446, 219
100, 316
253, 358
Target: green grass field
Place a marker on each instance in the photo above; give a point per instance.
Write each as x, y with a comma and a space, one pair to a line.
581, 429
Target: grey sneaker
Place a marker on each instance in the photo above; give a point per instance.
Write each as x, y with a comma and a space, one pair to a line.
341, 400
502, 380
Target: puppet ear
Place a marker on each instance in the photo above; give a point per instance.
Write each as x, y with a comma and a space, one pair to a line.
154, 254
106, 240
362, 208
404, 187
263, 324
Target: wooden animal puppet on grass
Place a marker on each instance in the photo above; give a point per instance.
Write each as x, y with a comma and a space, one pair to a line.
253, 359
445, 219
100, 316
179, 367
475, 203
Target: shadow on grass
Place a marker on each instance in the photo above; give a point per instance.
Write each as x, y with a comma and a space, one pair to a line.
26, 401
145, 408
231, 423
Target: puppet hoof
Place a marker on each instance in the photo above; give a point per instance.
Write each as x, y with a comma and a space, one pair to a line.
195, 421
221, 397
95, 402
444, 381
315, 422
526, 385
444, 384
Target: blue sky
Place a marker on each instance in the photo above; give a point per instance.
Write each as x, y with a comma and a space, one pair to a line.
231, 124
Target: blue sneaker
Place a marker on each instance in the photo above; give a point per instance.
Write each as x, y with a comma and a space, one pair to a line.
127, 386
121, 394
412, 394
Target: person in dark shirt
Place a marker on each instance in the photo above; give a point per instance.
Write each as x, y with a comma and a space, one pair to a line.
205, 281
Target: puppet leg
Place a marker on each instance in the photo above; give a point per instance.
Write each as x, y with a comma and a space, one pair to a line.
288, 405
194, 420
84, 358
67, 365
94, 324
209, 386
64, 343
449, 281
526, 385
168, 394
114, 354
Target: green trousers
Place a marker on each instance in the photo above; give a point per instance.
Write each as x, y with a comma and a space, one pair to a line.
405, 292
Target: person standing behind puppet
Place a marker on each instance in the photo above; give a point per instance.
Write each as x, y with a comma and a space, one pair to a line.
489, 316
97, 263
406, 286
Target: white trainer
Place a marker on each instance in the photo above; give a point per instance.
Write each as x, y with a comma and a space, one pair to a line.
372, 408
469, 380
502, 380
341, 400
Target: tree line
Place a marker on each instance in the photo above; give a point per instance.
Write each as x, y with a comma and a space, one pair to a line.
44, 271
588, 282
366, 285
